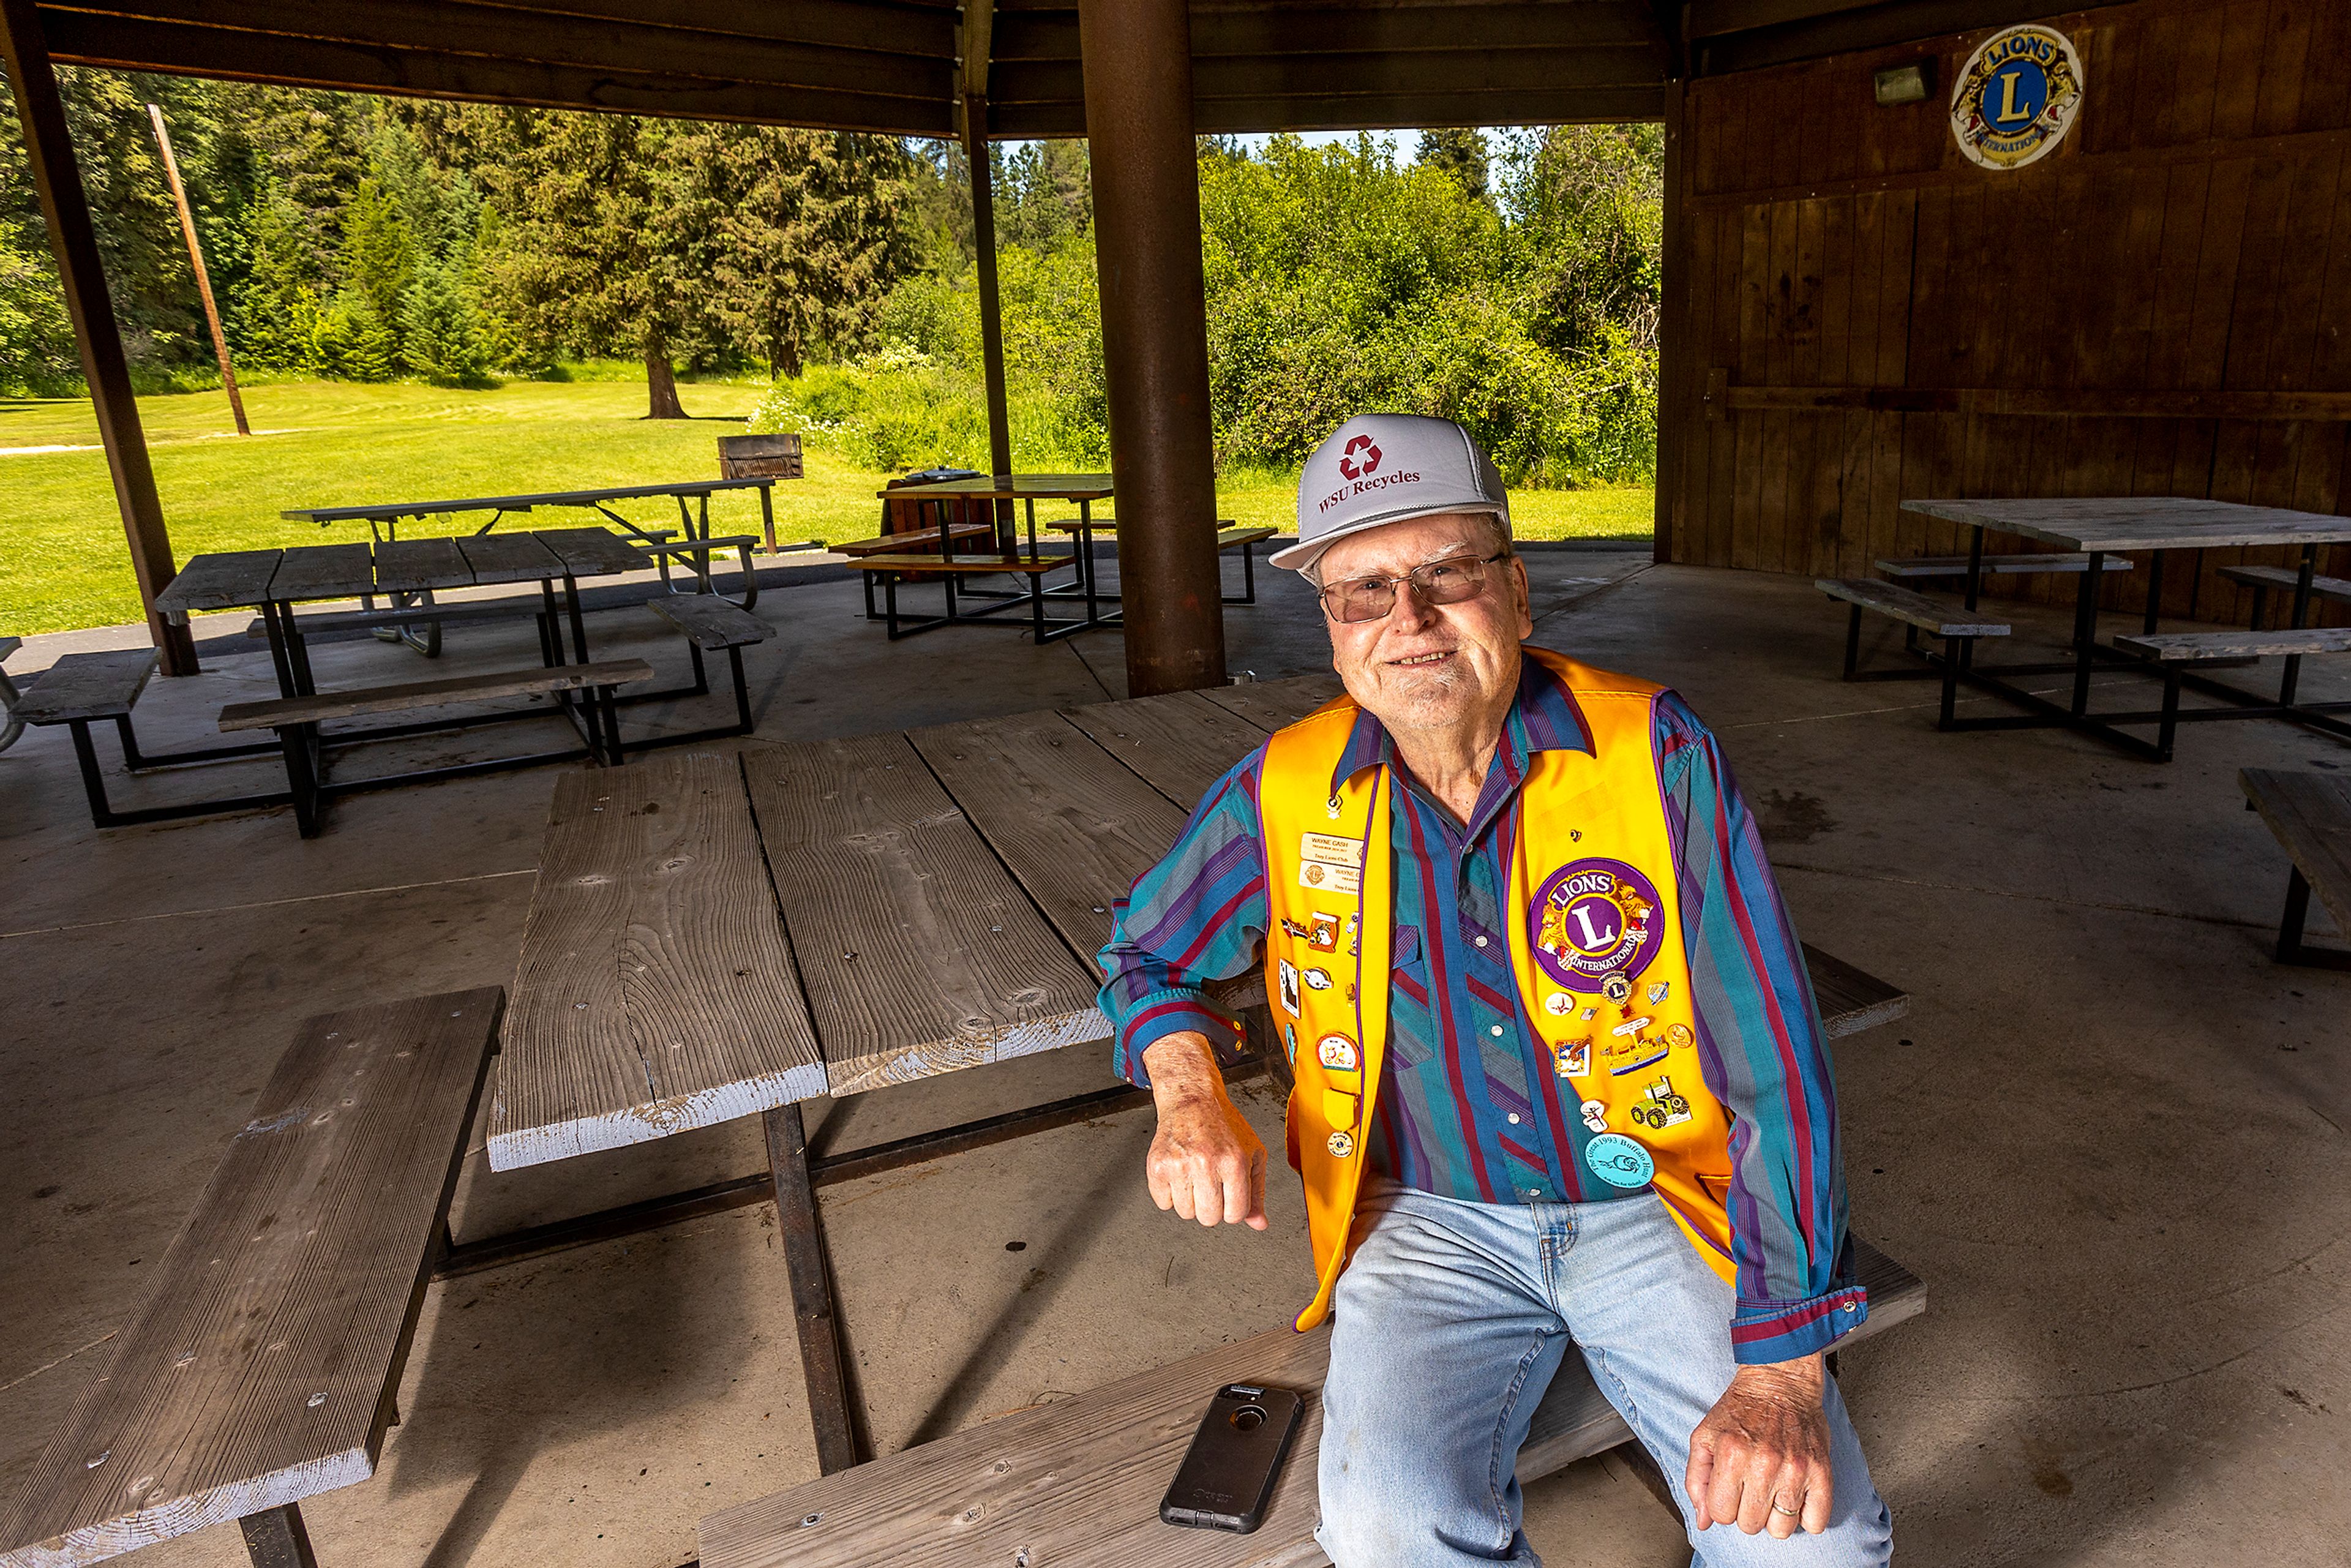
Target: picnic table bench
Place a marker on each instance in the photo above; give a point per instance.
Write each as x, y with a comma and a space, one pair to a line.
2310, 815
2099, 528
102, 686
660, 546
715, 937
1076, 1483
585, 690
263, 1366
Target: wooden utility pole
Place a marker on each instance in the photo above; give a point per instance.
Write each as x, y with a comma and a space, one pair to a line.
196, 260
66, 210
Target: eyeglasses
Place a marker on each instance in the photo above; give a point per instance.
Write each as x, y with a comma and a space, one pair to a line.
1447, 581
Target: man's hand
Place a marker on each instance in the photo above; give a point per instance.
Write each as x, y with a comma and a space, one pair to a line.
1761, 1457
1205, 1163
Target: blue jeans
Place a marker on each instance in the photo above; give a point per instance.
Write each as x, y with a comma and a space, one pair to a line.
1448, 1326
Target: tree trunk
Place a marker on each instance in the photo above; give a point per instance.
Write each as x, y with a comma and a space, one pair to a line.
661, 384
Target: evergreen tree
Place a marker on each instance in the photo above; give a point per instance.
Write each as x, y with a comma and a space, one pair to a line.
442, 335
272, 318
801, 231
1461, 152
379, 257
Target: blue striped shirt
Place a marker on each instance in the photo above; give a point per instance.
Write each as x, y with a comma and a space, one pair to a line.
1468, 1106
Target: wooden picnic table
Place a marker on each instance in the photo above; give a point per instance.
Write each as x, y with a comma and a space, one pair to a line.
942, 895
2099, 525
1026, 490
383, 519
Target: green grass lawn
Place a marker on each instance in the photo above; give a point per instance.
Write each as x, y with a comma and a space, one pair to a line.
63, 563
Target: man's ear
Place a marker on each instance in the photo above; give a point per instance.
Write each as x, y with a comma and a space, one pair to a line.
1525, 596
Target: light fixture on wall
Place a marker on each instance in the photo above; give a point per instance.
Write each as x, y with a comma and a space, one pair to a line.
1905, 84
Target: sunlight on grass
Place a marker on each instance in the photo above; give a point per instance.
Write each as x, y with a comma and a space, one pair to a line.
321, 443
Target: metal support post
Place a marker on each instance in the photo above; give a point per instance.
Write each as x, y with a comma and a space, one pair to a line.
831, 1395
277, 1539
1137, 58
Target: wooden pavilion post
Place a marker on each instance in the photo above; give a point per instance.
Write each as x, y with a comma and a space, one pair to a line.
66, 209
1137, 56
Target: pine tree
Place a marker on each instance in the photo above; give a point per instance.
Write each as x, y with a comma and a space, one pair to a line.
379, 263
1461, 152
442, 335
803, 231
272, 318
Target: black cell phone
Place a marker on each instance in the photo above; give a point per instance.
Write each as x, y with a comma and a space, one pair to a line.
1228, 1473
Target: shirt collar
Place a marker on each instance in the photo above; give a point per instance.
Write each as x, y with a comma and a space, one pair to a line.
1542, 717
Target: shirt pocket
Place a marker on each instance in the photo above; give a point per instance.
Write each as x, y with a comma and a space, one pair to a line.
1411, 1009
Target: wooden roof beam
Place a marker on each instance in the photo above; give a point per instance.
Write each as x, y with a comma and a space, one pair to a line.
920, 105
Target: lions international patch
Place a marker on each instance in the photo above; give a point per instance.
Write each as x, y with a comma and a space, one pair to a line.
1595, 921
2016, 97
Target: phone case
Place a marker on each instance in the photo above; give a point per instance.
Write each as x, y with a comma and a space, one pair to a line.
1227, 1474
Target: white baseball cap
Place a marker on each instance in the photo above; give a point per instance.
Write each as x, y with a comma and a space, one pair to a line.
1381, 468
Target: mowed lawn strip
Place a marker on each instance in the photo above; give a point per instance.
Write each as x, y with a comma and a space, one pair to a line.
63, 564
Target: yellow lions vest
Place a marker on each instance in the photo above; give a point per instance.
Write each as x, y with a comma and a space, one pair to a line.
1593, 913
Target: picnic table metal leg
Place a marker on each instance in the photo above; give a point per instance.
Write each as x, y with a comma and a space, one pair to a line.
830, 1394
277, 1539
2154, 591
2085, 632
2292, 672
1853, 642
2297, 910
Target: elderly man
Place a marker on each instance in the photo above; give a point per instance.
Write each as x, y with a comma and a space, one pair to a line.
1559, 1074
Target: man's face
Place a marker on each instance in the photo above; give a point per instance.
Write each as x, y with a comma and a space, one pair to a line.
1423, 666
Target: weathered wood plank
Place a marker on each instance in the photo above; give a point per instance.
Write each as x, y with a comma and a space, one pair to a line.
322, 571
441, 693
913, 541
412, 566
591, 552
219, 580
2174, 647
2281, 580
1850, 1000
1077, 1483
656, 990
708, 621
1916, 609
2106, 523
2310, 815
509, 557
1271, 705
98, 684
262, 1368
919, 952
1945, 566
1073, 824
1026, 565
1179, 743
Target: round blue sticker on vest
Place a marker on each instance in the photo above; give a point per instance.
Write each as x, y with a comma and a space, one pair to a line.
1619, 1161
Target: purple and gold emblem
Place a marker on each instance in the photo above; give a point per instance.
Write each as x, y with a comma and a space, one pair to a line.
1594, 921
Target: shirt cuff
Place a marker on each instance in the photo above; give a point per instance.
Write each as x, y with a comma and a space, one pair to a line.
1767, 1331
1173, 1011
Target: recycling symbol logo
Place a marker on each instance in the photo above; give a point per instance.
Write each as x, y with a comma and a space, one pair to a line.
1371, 455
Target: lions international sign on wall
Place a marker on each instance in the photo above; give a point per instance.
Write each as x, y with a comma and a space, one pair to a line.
2016, 97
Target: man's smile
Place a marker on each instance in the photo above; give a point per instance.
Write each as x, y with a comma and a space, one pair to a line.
1416, 659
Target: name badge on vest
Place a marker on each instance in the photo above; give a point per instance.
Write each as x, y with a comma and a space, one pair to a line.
1329, 863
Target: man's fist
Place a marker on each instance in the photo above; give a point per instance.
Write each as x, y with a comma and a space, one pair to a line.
1205, 1162
1761, 1459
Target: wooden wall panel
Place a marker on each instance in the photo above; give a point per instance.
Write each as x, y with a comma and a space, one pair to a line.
2162, 306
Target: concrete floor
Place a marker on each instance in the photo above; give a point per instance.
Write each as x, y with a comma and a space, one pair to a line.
2110, 1135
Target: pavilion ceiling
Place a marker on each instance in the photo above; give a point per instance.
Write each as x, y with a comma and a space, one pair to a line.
896, 66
